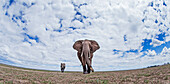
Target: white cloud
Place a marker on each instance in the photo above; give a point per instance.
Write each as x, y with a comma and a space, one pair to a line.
156, 42
165, 51
107, 22
151, 53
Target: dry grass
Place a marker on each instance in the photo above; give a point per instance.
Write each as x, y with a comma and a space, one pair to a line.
15, 75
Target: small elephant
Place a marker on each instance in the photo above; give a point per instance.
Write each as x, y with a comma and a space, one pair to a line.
85, 49
63, 65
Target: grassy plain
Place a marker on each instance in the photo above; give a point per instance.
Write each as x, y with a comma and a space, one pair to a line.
16, 75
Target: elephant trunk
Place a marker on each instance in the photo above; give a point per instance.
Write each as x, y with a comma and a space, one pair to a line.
86, 55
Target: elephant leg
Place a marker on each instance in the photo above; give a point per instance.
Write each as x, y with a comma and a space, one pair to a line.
91, 56
83, 62
87, 58
84, 70
88, 69
84, 65
62, 70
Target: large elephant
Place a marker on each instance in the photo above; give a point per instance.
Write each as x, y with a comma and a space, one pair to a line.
85, 49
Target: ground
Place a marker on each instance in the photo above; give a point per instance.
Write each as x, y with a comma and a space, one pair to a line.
153, 75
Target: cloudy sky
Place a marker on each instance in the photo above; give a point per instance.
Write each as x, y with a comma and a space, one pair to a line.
40, 34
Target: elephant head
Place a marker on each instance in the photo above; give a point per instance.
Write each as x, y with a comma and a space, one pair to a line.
85, 49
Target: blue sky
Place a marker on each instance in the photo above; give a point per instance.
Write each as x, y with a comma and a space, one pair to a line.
39, 34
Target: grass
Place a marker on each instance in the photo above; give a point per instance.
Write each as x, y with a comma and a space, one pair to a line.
25, 68
146, 81
9, 82
97, 81
166, 78
146, 75
1, 79
17, 75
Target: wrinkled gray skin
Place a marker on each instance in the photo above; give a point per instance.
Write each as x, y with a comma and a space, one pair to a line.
85, 49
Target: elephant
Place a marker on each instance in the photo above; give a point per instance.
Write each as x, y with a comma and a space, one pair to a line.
62, 67
85, 49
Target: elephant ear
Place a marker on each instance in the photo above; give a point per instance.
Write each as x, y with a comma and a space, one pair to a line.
94, 45
78, 45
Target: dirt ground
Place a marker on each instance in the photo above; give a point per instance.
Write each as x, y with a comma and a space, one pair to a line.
154, 75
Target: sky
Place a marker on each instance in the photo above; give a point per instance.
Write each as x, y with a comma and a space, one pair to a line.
38, 34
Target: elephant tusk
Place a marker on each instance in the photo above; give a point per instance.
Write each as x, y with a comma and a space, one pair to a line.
82, 53
89, 54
